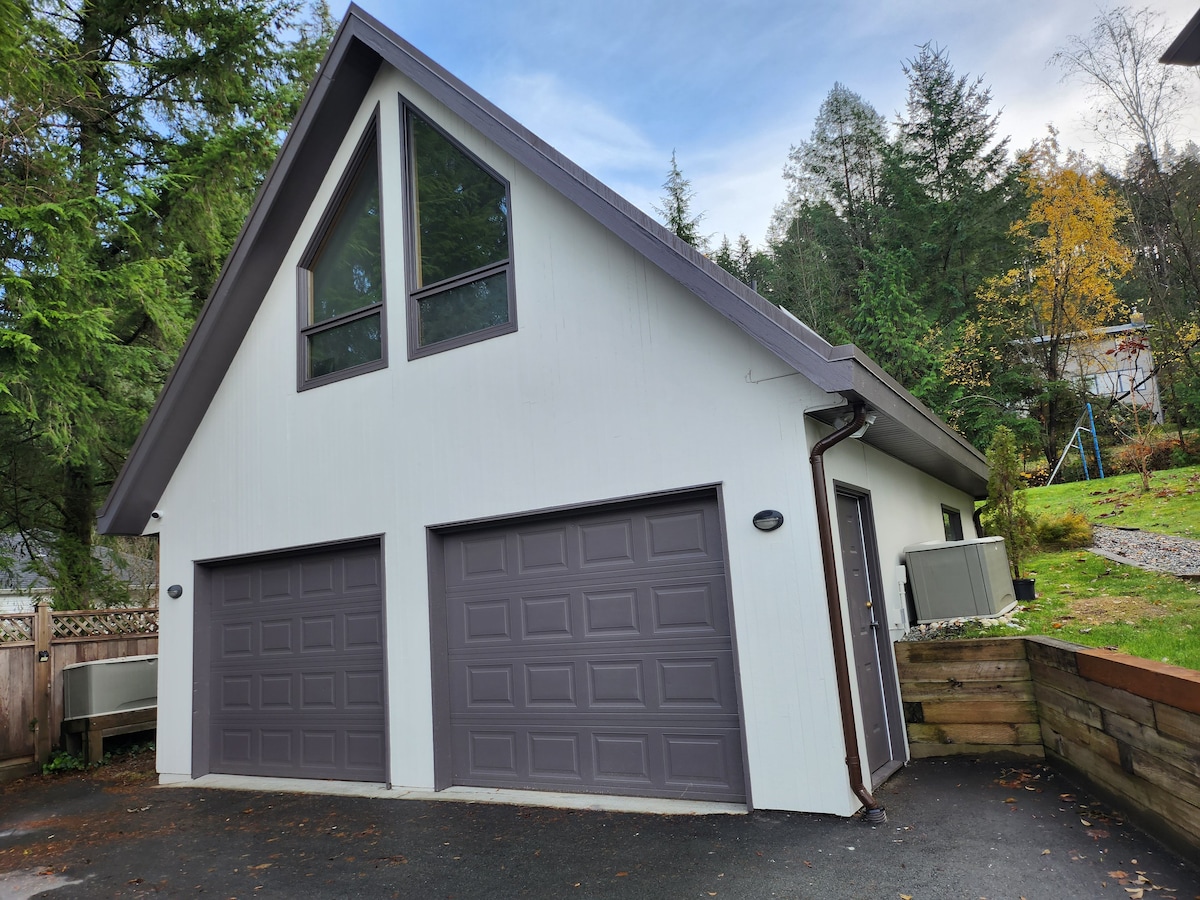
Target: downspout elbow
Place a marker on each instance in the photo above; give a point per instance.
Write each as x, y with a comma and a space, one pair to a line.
874, 813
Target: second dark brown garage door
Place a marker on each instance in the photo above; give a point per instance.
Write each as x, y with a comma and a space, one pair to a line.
593, 653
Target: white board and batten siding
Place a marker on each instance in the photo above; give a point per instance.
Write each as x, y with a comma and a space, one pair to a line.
617, 383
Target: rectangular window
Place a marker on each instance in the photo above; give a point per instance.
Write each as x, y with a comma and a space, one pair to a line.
341, 279
952, 523
460, 270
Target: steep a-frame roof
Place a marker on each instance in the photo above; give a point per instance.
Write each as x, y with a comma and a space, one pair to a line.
903, 427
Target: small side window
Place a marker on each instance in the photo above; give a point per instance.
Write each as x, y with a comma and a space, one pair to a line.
460, 259
952, 523
341, 279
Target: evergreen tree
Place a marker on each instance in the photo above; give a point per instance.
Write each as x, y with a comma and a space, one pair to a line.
951, 190
889, 325
841, 164
676, 210
133, 137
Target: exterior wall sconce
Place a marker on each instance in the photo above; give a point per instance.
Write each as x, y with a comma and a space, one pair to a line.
768, 519
175, 592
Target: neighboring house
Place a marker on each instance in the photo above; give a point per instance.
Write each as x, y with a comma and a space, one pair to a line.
1116, 363
454, 484
22, 586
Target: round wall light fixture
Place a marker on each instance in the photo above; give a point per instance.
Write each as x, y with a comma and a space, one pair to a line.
768, 519
175, 591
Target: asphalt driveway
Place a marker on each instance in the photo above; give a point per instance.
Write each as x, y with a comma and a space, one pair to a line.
956, 829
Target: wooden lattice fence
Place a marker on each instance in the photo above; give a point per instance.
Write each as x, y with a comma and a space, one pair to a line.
34, 649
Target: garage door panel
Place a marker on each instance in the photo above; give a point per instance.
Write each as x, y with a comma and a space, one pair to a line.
627, 609
656, 762
619, 682
335, 749
674, 534
542, 552
297, 666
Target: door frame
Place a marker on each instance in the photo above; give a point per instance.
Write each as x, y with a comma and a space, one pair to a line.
885, 657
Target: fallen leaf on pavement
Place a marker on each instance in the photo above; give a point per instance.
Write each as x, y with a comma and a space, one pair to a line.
1045, 853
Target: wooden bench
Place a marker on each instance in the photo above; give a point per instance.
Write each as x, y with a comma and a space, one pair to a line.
92, 730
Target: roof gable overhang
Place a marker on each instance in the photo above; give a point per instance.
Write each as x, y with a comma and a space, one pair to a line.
362, 45
1185, 49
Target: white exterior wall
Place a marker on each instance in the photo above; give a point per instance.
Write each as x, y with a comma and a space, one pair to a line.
618, 382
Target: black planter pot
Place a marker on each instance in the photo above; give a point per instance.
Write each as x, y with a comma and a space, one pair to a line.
1023, 588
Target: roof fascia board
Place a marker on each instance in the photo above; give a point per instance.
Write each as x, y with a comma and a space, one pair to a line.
1185, 49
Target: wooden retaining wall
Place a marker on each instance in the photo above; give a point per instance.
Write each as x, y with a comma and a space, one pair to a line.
968, 697
31, 693
1128, 728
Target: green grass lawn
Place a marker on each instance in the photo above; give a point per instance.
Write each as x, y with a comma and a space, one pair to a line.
1086, 599
1171, 506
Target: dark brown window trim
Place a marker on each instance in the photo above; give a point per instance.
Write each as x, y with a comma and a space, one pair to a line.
952, 525
368, 143
415, 294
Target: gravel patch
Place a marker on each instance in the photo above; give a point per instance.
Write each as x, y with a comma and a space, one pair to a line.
1148, 550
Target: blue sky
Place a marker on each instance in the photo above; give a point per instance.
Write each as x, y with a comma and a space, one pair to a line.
730, 85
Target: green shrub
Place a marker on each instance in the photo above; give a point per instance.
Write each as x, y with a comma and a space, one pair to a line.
1066, 531
62, 761
1159, 453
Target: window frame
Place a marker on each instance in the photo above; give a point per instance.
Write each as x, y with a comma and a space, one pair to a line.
414, 294
952, 517
368, 145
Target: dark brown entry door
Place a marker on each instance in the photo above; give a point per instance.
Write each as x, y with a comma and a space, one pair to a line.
593, 652
296, 666
868, 630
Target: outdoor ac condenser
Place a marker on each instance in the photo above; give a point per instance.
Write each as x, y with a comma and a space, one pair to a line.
960, 579
110, 685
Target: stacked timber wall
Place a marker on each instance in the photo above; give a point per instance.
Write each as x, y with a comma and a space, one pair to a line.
1128, 728
968, 697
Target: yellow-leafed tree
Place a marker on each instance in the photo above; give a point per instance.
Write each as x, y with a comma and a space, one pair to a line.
1064, 287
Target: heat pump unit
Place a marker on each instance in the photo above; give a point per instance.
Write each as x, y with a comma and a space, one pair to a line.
110, 685
960, 579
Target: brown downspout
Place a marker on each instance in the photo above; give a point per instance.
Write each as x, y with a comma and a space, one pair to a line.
874, 812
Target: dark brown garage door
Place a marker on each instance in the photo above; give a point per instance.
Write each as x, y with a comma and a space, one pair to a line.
296, 663
593, 653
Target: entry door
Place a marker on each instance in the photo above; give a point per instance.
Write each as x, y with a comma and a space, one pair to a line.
869, 639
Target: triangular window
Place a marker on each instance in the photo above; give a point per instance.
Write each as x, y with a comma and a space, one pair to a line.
341, 279
460, 276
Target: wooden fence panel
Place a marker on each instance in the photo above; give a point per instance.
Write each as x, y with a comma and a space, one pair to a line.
16, 701
31, 691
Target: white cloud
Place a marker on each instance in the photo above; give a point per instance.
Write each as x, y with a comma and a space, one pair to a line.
575, 124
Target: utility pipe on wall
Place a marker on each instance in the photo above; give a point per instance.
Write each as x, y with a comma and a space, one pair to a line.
841, 663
